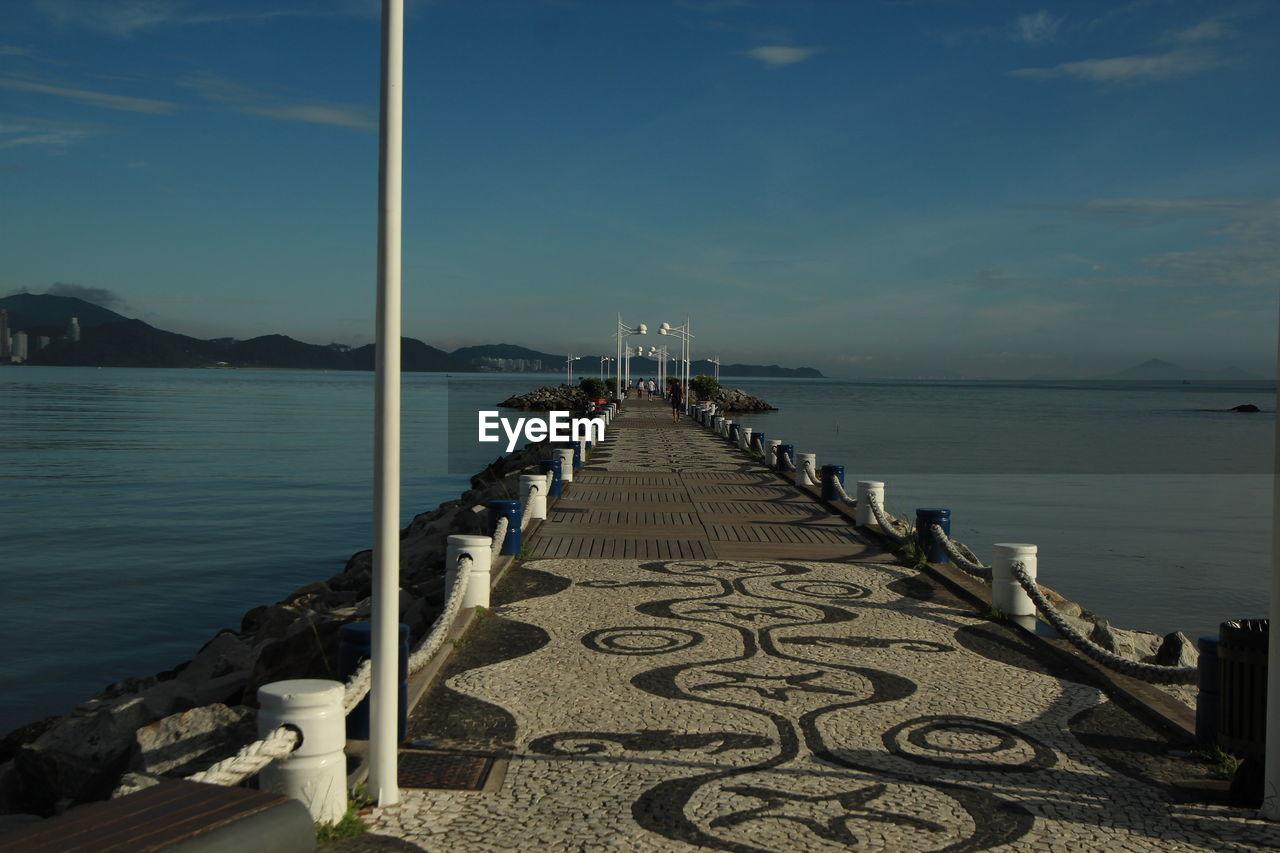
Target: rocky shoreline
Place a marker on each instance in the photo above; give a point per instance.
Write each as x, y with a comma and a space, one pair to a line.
181, 721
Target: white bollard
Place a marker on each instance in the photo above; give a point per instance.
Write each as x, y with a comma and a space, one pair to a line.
582, 450
726, 428
771, 453
812, 458
533, 495
478, 579
744, 438
566, 464
316, 772
863, 516
1007, 595
714, 423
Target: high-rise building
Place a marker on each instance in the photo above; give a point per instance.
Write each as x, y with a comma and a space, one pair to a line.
5, 352
73, 330
19, 346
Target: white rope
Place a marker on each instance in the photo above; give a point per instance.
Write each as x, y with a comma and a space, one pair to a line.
432, 642
280, 743
953, 551
499, 537
885, 525
808, 473
787, 463
840, 488
357, 686
1136, 669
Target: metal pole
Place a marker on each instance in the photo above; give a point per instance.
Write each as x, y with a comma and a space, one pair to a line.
1271, 759
385, 690
617, 392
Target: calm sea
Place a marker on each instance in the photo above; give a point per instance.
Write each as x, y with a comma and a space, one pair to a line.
146, 509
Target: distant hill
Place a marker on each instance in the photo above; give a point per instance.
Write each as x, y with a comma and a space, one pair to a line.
108, 339
132, 343
1158, 370
29, 310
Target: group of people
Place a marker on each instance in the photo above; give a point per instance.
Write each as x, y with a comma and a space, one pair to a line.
646, 386
675, 394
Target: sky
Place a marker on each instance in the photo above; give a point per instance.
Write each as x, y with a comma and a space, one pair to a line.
994, 189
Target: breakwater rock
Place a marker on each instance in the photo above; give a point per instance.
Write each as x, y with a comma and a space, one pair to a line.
549, 398
737, 400
180, 722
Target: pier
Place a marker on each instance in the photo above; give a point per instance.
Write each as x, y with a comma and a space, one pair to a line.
693, 653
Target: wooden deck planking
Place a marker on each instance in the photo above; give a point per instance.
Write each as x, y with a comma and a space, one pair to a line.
711, 502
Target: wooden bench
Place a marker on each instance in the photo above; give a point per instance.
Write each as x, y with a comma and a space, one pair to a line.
175, 817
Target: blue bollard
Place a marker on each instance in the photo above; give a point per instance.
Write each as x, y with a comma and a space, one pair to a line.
787, 452
512, 510
577, 456
831, 473
733, 433
1209, 696
355, 644
925, 519
552, 465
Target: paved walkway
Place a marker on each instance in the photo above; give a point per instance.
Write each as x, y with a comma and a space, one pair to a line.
768, 705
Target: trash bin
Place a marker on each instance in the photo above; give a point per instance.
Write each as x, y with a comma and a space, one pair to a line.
1242, 686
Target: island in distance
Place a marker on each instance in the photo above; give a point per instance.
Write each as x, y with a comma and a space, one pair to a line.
108, 339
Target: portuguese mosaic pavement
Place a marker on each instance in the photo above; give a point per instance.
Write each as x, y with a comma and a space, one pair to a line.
784, 705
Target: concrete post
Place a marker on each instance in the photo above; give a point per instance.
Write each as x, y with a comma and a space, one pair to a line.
863, 514
1007, 595
316, 772
533, 495
801, 460
566, 464
744, 439
478, 578
583, 447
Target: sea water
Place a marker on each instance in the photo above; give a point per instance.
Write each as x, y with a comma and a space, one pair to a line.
143, 510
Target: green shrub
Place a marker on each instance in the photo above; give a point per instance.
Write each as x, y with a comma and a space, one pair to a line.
594, 388
704, 387
612, 384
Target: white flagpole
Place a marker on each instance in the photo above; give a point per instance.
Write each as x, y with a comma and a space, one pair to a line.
384, 692
1271, 760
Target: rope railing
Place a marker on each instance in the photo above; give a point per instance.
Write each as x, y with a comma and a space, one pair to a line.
883, 521
440, 630
845, 496
787, 463
808, 473
280, 743
499, 536
1135, 669
958, 557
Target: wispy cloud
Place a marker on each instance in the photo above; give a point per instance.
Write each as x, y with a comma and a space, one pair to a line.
51, 136
96, 99
1213, 29
1036, 27
14, 50
126, 18
1143, 68
1242, 245
777, 56
97, 295
241, 98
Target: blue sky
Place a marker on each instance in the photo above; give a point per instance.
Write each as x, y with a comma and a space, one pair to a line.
873, 188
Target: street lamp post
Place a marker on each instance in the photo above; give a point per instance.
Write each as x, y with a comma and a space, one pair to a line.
624, 331
686, 337
568, 368
603, 359
660, 353
715, 359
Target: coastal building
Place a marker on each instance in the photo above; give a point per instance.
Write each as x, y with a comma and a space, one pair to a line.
73, 330
5, 353
42, 341
19, 346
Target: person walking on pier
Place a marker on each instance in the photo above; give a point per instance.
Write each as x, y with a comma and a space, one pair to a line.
676, 395
653, 386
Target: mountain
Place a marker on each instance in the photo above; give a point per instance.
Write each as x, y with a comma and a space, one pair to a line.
640, 365
132, 343
1159, 370
28, 310
504, 351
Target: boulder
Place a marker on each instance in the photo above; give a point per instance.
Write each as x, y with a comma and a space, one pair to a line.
1177, 650
308, 650
1131, 645
1061, 604
737, 400
190, 741
224, 654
